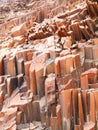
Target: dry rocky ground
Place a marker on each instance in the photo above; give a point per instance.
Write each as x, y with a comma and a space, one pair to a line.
49, 65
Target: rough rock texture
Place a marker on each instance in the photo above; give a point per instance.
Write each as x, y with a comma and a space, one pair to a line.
49, 65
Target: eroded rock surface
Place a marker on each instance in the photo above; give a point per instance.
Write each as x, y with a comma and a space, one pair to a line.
49, 66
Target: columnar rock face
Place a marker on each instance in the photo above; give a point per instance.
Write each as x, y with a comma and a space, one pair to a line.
49, 68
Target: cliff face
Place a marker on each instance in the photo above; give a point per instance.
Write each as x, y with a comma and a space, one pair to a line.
49, 65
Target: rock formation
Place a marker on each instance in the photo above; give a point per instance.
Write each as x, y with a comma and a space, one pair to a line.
49, 65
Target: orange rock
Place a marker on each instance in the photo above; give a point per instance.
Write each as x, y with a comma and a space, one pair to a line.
96, 97
50, 89
2, 85
29, 56
10, 43
76, 127
20, 79
65, 52
92, 108
36, 110
40, 80
95, 53
27, 67
95, 85
49, 66
38, 64
20, 39
69, 64
85, 32
77, 62
85, 106
12, 84
81, 116
54, 123
25, 53
75, 104
68, 85
89, 64
89, 52
20, 66
57, 67
32, 76
19, 55
59, 118
18, 30
76, 30
92, 75
10, 113
63, 66
63, 80
95, 41
1, 97
84, 82
9, 86
6, 66
1, 66
92, 10
66, 103
11, 66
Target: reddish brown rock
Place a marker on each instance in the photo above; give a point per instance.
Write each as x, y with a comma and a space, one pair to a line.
20, 66
66, 103
76, 30
27, 67
85, 104
77, 63
95, 41
32, 77
81, 116
95, 53
76, 127
69, 64
84, 82
36, 110
19, 117
50, 87
54, 124
49, 82
57, 67
59, 119
11, 66
89, 52
75, 105
92, 108
63, 66
18, 30
1, 97
1, 66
